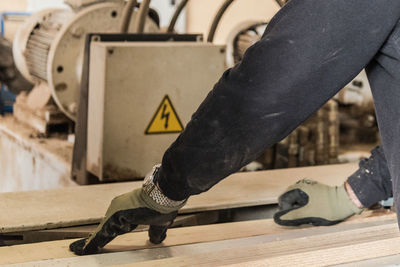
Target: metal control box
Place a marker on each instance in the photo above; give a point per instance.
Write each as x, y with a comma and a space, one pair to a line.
141, 95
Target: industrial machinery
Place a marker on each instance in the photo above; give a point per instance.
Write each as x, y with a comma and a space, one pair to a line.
129, 96
142, 101
12, 80
242, 37
48, 50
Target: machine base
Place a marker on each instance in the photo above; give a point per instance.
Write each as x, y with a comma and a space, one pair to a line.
31, 163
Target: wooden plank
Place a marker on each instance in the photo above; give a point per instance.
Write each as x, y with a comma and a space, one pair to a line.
330, 256
11, 239
210, 248
197, 234
65, 207
381, 261
27, 237
264, 187
319, 250
183, 236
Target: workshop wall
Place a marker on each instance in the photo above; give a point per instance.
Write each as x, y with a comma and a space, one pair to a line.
11, 26
14, 5
35, 5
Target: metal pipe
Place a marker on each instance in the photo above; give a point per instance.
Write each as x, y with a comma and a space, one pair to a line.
217, 19
281, 3
176, 15
142, 15
127, 15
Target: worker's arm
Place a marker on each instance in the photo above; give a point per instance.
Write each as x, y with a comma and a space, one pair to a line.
309, 51
310, 202
372, 183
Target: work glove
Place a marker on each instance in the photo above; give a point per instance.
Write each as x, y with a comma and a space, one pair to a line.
310, 202
144, 206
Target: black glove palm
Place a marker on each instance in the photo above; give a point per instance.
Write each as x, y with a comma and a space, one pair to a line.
144, 206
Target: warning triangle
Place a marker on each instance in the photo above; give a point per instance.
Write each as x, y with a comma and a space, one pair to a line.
165, 120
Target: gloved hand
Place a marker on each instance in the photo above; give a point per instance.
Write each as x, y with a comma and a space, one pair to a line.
310, 202
145, 206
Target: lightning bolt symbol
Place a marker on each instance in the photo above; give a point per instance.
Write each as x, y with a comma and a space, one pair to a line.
165, 115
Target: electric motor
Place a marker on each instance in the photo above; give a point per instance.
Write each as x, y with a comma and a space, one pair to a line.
49, 47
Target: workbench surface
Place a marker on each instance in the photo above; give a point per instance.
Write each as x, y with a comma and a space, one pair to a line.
72, 206
362, 240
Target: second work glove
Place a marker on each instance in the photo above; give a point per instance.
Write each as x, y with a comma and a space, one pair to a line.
310, 202
144, 206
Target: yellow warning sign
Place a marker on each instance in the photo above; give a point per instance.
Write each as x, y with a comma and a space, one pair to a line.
165, 120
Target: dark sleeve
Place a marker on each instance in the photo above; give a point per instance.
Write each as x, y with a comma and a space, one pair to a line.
302, 60
371, 182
